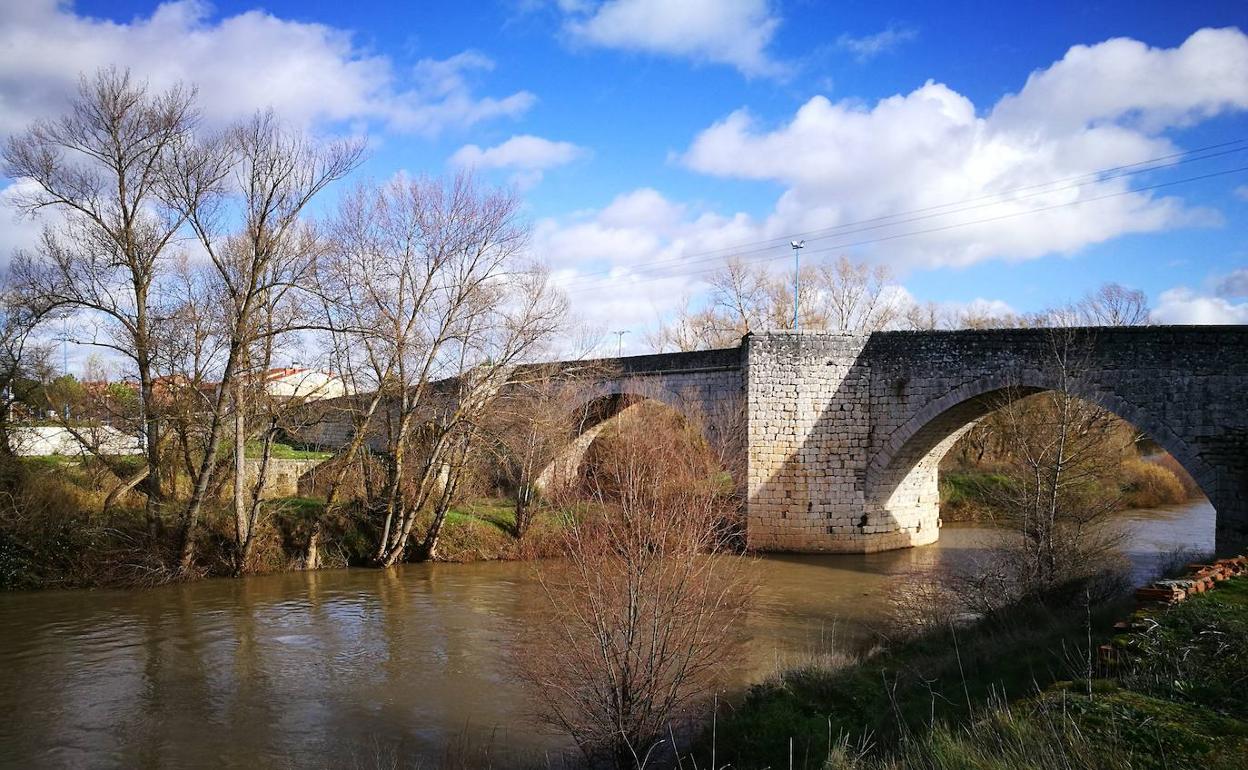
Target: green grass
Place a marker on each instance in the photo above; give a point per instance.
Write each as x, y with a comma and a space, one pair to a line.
938, 677
1012, 693
297, 509
1114, 729
50, 462
254, 449
495, 511
965, 495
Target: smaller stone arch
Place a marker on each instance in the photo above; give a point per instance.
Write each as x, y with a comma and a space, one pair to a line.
604, 402
901, 479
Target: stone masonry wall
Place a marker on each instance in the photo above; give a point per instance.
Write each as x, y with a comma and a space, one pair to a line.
809, 427
283, 477
1185, 386
710, 391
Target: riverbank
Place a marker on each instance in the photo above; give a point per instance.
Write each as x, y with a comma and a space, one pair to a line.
60, 537
967, 493
59, 532
1026, 689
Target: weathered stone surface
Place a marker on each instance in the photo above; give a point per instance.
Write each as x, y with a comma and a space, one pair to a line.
284, 478
846, 431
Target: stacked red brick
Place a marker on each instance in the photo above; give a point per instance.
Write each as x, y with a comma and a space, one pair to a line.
1199, 578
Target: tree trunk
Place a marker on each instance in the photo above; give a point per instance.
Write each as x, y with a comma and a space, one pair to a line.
257, 495
123, 487
151, 481
429, 546
242, 530
312, 553
190, 515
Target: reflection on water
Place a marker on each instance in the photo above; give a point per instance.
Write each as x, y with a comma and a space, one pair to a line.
342, 667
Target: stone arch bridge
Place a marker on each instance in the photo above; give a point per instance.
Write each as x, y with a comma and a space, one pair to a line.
837, 438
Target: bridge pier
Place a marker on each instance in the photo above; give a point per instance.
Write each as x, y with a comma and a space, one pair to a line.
809, 436
809, 424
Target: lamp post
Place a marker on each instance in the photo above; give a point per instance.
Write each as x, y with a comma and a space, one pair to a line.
797, 277
65, 360
619, 342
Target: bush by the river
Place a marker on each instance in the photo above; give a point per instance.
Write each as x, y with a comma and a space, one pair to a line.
1148, 484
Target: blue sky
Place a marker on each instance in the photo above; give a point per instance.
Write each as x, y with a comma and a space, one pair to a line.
640, 131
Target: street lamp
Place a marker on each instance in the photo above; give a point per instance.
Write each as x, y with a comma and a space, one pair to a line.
619, 342
797, 276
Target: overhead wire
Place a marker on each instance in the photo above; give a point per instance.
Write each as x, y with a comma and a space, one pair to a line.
586, 281
575, 289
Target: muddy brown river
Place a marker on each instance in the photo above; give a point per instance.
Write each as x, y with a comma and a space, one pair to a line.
365, 668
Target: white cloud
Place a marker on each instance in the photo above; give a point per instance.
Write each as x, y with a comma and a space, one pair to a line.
525, 154
978, 308
1182, 305
868, 47
845, 162
1241, 192
1125, 81
606, 258
733, 32
310, 73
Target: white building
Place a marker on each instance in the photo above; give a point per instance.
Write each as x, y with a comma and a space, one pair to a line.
310, 384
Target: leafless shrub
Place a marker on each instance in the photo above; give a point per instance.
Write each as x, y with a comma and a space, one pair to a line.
1191, 490
1060, 484
535, 418
924, 601
643, 609
1147, 484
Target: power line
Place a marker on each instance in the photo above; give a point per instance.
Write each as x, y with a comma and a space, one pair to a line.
875, 223
850, 228
943, 228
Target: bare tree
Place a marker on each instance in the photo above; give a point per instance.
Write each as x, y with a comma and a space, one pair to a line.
99, 168
841, 295
20, 356
856, 296
1114, 305
690, 329
741, 293
243, 195
927, 316
812, 315
1059, 473
428, 283
643, 612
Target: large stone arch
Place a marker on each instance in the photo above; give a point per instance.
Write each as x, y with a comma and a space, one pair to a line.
901, 480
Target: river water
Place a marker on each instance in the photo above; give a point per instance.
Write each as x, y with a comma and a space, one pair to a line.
361, 668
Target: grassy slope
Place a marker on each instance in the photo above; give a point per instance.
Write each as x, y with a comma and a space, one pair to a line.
481, 530
475, 530
280, 451
1178, 703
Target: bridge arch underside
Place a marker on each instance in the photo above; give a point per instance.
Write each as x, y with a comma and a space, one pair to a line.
902, 481
598, 415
